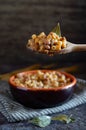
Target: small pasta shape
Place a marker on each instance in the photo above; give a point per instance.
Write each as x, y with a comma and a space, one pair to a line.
54, 42
51, 79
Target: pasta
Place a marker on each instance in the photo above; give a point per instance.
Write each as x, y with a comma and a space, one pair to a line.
48, 79
48, 44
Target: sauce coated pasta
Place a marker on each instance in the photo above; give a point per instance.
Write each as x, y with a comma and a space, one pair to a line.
40, 79
48, 44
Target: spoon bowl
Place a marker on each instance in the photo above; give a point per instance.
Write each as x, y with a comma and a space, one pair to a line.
71, 47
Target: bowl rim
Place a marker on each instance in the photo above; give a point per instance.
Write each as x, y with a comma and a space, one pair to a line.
43, 89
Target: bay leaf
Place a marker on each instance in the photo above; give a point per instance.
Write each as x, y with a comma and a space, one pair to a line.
57, 29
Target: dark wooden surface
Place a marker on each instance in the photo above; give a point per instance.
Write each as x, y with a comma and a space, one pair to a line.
19, 19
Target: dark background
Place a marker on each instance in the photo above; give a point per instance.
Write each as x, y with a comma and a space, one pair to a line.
19, 19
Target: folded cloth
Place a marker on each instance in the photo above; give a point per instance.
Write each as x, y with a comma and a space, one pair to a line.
14, 111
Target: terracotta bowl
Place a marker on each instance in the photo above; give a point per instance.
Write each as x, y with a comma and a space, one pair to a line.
42, 98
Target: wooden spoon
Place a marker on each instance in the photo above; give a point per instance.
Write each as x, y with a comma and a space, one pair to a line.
71, 47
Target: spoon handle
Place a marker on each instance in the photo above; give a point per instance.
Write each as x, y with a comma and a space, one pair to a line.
79, 47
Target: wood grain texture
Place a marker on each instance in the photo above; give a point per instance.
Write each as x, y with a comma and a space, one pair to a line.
20, 19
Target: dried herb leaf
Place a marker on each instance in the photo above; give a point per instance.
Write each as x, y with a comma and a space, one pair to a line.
64, 118
41, 121
57, 30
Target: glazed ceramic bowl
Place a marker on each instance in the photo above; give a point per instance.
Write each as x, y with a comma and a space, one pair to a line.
42, 98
